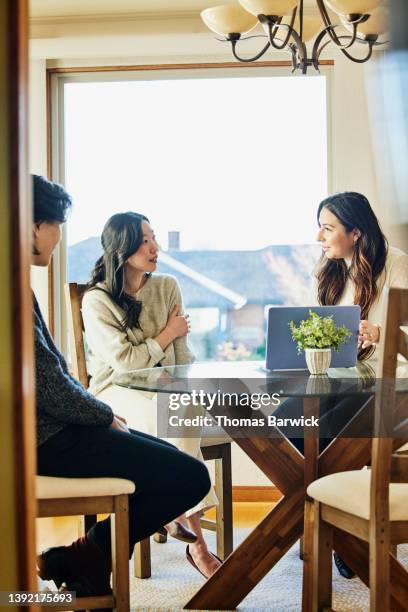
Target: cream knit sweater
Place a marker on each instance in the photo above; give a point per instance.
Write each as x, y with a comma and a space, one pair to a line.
113, 351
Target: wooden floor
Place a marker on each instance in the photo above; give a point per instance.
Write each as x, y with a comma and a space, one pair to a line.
63, 530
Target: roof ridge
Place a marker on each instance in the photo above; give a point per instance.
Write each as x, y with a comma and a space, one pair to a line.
237, 299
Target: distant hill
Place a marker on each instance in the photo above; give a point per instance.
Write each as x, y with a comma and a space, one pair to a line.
277, 274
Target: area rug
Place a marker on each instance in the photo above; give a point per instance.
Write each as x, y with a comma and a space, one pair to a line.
174, 582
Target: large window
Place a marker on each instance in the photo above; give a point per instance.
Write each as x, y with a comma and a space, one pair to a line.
229, 166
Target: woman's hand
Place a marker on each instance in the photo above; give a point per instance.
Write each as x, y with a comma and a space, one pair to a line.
121, 419
119, 424
368, 334
178, 325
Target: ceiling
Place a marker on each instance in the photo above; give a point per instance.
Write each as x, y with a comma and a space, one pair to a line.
41, 9
67, 8
149, 29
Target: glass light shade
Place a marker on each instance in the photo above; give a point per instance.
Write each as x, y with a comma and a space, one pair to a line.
348, 7
377, 23
311, 26
269, 7
228, 19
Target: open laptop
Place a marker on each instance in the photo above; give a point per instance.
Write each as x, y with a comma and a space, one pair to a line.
281, 350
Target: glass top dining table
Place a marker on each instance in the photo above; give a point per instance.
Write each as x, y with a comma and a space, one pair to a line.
289, 383
288, 469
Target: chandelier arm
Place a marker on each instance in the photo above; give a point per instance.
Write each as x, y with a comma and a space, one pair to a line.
294, 58
227, 40
350, 38
316, 57
330, 27
363, 42
250, 59
297, 41
272, 37
316, 49
274, 27
327, 21
358, 60
353, 37
323, 12
373, 41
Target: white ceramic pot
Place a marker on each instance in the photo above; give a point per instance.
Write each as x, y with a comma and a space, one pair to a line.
318, 360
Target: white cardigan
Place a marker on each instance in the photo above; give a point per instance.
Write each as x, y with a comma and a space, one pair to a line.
112, 350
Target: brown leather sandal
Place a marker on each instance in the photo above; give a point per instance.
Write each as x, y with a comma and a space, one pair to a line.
177, 531
193, 563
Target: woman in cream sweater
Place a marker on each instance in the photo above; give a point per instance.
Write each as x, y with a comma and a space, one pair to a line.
133, 320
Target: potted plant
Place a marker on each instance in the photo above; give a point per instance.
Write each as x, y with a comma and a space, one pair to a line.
317, 337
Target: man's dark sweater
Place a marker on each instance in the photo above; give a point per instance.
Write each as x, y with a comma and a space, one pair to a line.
61, 400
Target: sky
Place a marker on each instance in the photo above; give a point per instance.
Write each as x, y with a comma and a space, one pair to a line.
230, 163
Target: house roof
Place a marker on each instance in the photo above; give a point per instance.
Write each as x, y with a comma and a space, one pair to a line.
221, 279
176, 266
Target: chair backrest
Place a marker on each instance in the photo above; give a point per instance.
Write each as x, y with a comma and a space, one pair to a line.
387, 467
73, 301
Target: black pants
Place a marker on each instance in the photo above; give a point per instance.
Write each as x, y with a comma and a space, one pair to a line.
168, 482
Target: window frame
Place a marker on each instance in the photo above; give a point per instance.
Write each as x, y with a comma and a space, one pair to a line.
56, 80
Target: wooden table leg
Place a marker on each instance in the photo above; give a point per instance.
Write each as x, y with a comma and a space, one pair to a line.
253, 559
311, 408
280, 529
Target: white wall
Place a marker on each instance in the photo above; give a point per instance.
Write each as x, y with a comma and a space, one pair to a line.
359, 155
184, 40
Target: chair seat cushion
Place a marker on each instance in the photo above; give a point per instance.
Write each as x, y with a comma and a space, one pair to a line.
49, 487
350, 492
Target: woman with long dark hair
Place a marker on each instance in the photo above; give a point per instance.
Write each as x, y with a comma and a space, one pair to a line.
355, 266
133, 320
357, 263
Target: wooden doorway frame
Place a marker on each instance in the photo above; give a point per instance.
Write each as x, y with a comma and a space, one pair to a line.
20, 406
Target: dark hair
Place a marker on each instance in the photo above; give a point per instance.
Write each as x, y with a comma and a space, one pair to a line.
121, 238
353, 210
51, 202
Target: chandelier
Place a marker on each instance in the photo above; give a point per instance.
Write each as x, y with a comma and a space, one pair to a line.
361, 22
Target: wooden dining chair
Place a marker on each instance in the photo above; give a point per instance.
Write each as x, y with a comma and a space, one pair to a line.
370, 504
79, 496
217, 449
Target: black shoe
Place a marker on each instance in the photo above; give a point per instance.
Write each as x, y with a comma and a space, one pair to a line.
60, 565
344, 570
51, 565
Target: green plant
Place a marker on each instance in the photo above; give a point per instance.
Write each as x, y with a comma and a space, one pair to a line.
318, 332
